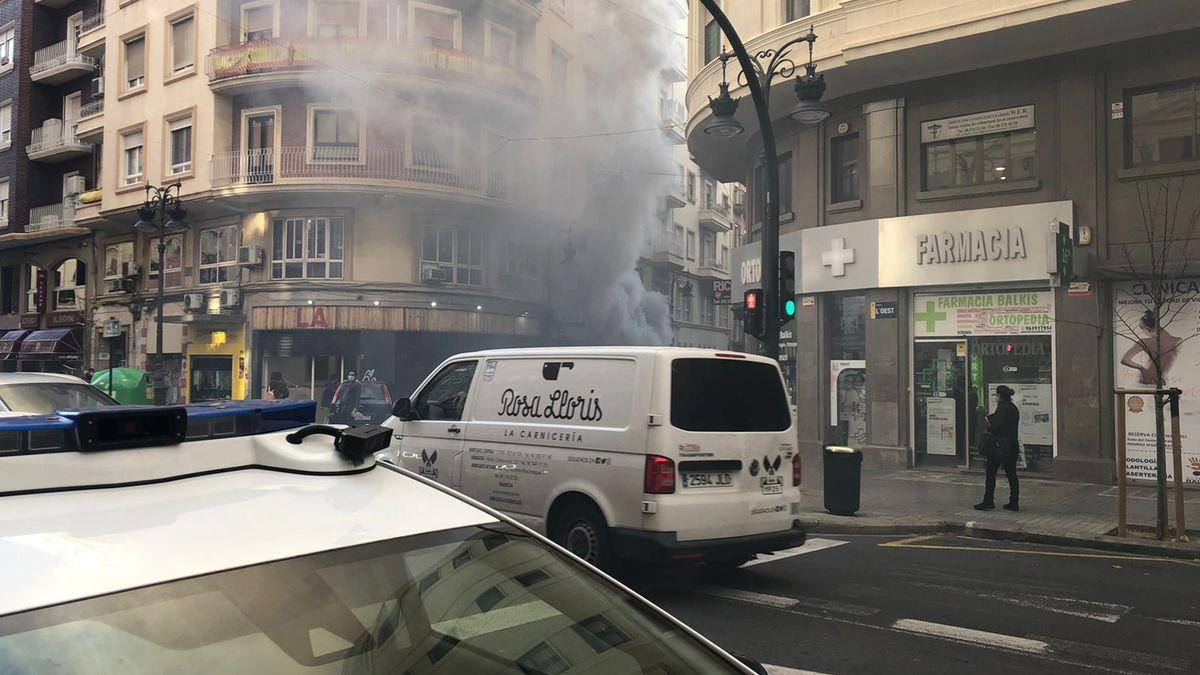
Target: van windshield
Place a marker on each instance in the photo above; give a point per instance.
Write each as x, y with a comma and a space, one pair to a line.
727, 395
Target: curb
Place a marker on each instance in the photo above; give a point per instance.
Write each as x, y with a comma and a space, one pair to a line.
1162, 549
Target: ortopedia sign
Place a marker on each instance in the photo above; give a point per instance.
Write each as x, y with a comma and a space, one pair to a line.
1016, 313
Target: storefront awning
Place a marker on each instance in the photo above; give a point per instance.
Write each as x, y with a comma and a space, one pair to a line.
10, 343
58, 343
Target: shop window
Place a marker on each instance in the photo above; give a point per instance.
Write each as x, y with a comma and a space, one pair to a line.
435, 26
70, 281
172, 260
335, 135
218, 254
1162, 124
118, 260
335, 18
843, 157
980, 160
307, 248
456, 254
846, 317
10, 289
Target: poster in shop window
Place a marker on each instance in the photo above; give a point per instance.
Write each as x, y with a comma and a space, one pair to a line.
1033, 401
1181, 368
958, 314
941, 426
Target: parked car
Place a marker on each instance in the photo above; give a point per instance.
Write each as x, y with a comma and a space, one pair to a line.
289, 551
649, 455
47, 392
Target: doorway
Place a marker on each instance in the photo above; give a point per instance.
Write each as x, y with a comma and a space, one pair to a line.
942, 405
210, 378
260, 147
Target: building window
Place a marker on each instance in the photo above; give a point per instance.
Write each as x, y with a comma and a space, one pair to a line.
335, 135
843, 156
135, 62
4, 203
683, 301
335, 18
31, 288
172, 260
501, 44
691, 187
785, 187
218, 254
691, 245
118, 260
181, 146
708, 315
708, 249
712, 39
559, 65
307, 248
6, 125
710, 194
70, 281
457, 253
435, 26
258, 21
980, 160
131, 152
7, 44
1163, 125
796, 9
10, 289
183, 44
432, 144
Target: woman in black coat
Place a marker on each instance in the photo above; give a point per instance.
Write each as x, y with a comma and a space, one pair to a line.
1003, 425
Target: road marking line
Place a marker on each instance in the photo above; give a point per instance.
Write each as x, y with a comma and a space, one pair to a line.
781, 602
784, 670
810, 546
914, 542
979, 637
1059, 646
1107, 612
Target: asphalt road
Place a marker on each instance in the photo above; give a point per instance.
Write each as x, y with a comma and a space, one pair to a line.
945, 604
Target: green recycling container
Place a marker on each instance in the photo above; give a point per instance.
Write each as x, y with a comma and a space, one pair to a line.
129, 385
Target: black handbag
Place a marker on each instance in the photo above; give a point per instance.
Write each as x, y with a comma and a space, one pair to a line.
993, 447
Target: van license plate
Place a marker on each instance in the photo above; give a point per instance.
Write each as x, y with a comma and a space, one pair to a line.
772, 485
707, 479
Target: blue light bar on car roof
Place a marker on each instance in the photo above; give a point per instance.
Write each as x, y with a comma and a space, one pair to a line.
218, 419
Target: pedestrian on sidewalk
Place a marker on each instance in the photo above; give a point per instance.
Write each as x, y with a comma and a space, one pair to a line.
1002, 424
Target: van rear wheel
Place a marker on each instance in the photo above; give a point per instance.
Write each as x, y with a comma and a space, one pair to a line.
582, 531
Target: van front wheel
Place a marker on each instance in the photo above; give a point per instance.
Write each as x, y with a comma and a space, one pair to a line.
582, 531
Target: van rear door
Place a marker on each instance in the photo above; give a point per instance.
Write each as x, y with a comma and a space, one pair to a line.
731, 426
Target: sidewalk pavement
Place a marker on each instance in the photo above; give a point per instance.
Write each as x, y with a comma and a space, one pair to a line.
925, 501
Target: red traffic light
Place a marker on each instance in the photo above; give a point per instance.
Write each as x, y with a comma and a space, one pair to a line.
751, 300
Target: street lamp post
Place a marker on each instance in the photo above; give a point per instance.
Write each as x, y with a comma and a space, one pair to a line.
161, 214
809, 110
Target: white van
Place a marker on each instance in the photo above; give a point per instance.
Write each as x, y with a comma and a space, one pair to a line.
647, 455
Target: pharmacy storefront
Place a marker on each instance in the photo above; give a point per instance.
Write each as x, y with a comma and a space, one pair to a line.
952, 305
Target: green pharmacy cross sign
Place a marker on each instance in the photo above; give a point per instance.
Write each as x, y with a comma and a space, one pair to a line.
930, 317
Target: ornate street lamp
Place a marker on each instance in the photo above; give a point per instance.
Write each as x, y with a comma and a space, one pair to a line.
808, 110
164, 206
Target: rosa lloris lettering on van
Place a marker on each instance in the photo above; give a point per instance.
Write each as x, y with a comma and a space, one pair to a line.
561, 404
1006, 243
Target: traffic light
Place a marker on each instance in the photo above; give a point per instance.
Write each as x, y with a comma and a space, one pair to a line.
787, 286
752, 313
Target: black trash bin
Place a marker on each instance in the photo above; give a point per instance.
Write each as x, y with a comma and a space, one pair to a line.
843, 479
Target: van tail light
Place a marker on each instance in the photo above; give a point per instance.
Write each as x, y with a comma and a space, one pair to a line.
660, 476
797, 470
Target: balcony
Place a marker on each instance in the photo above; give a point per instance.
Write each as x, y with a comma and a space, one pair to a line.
388, 167
51, 217
56, 141
711, 266
91, 120
665, 248
676, 198
248, 66
674, 119
89, 33
60, 62
714, 217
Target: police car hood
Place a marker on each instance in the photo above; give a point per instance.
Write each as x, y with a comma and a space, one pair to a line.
61, 546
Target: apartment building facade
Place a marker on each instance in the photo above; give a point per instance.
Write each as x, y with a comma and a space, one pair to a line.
919, 212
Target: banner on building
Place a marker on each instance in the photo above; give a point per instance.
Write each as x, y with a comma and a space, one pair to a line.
977, 124
1013, 313
1180, 365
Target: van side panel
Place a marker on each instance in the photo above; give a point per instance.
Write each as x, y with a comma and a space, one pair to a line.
543, 426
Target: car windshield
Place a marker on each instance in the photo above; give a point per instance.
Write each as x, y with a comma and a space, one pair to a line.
486, 599
46, 397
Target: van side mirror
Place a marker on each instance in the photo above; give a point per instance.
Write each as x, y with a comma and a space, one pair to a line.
402, 409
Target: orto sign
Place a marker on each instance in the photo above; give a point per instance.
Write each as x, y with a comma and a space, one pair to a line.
751, 271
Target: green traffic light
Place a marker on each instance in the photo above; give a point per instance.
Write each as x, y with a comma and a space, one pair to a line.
789, 308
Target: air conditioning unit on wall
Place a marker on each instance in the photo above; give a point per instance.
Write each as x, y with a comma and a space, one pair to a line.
432, 274
250, 256
230, 297
195, 302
